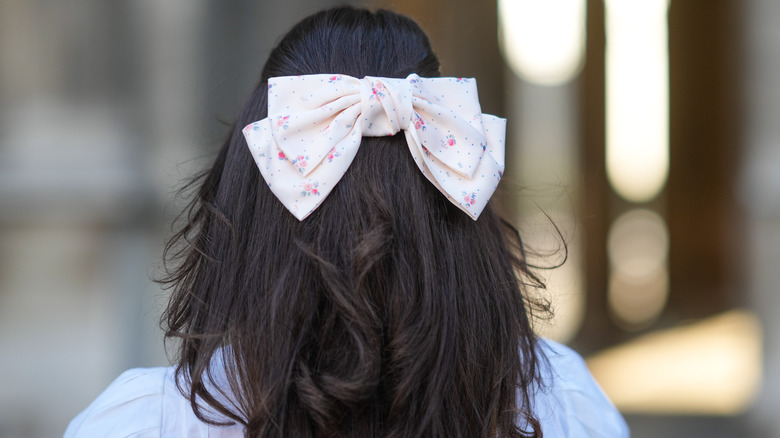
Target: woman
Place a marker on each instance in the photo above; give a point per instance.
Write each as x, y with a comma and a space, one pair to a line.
325, 289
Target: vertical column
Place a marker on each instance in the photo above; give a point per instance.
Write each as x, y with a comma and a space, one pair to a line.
760, 178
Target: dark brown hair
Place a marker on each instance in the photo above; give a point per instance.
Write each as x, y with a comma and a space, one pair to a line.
387, 312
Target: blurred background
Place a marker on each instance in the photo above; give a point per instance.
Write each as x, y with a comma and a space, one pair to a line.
647, 130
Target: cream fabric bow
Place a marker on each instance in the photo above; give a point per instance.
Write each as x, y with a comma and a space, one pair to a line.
315, 124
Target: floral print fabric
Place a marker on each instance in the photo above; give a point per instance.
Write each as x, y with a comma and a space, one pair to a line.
315, 125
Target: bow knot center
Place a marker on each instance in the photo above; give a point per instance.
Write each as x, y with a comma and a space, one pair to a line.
386, 105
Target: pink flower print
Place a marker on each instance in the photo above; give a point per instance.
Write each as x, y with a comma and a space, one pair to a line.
462, 80
333, 153
309, 189
469, 199
282, 156
426, 151
282, 122
333, 79
419, 123
448, 141
483, 146
377, 90
270, 86
300, 162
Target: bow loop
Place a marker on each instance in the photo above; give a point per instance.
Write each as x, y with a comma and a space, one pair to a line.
451, 124
330, 109
315, 125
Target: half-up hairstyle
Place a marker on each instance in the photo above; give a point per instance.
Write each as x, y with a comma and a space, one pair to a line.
387, 312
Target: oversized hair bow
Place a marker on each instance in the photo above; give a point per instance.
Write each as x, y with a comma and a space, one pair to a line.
315, 124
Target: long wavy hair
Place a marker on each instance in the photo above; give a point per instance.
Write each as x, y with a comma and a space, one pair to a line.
387, 312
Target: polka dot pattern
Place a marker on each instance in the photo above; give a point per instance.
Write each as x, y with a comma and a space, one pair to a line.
315, 125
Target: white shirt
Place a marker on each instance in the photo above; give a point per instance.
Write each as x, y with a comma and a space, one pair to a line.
145, 403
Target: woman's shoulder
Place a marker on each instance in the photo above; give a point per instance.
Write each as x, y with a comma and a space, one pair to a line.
131, 406
570, 402
143, 403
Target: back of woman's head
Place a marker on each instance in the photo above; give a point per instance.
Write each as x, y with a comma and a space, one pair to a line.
387, 312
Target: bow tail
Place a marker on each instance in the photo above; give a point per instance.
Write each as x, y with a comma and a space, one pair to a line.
300, 194
469, 194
